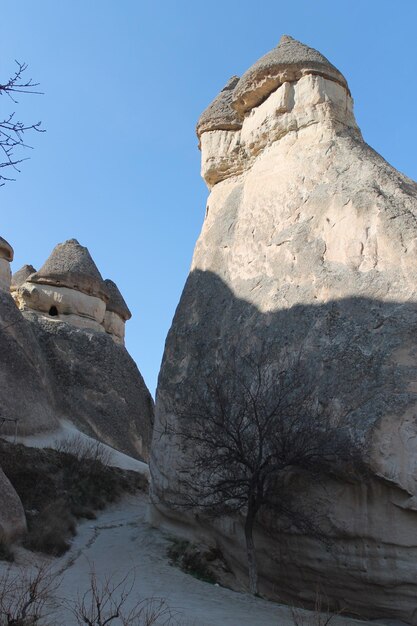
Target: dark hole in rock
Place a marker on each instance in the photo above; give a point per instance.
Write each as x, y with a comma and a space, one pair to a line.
53, 311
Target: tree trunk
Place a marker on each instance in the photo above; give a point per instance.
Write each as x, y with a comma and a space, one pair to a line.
251, 553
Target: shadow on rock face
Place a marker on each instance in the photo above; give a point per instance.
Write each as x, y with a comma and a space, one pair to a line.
365, 350
25, 384
97, 385
365, 354
51, 370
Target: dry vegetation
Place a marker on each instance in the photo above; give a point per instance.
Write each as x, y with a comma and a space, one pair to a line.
192, 560
28, 598
57, 487
109, 601
24, 595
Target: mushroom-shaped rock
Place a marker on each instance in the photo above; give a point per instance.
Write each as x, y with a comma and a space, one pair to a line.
116, 302
6, 250
290, 88
68, 287
220, 114
21, 276
117, 312
288, 62
71, 265
307, 250
6, 256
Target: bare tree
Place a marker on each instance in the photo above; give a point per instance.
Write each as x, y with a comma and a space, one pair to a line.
25, 594
110, 601
12, 131
246, 435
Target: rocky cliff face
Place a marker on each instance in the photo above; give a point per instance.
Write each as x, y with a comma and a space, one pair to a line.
63, 357
96, 385
12, 515
309, 242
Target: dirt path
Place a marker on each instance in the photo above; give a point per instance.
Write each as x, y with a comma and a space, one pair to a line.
120, 540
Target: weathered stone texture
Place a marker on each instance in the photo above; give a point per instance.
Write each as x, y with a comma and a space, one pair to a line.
63, 355
25, 385
69, 288
12, 515
70, 265
6, 256
96, 384
288, 62
309, 242
220, 114
6, 250
21, 276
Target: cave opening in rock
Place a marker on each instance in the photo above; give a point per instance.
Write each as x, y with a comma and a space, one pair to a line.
53, 311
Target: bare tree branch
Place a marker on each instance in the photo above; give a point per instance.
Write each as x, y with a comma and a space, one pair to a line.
247, 431
108, 601
12, 131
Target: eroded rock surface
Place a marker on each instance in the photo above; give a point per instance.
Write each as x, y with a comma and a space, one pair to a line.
96, 384
63, 357
6, 256
117, 313
26, 398
309, 242
12, 515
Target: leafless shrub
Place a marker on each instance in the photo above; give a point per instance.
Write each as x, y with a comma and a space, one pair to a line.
320, 616
24, 595
84, 449
110, 602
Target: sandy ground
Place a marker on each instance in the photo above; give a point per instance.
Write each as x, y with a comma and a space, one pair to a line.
121, 540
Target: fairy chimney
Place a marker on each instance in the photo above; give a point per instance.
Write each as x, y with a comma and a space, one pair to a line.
117, 313
6, 257
68, 287
21, 276
308, 251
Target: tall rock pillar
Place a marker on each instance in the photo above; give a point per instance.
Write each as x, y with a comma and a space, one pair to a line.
309, 243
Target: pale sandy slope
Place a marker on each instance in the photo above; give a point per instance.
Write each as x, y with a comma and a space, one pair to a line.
120, 539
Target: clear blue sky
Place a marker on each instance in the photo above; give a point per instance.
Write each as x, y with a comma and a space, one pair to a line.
124, 84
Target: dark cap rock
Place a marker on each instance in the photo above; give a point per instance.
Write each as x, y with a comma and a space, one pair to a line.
6, 250
116, 302
289, 61
22, 275
71, 265
220, 114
